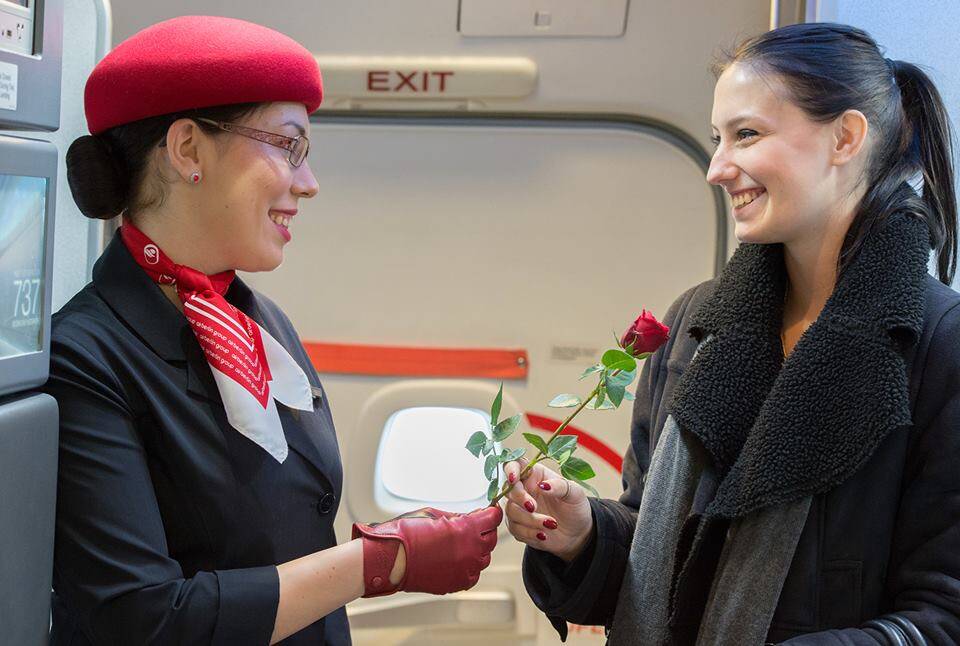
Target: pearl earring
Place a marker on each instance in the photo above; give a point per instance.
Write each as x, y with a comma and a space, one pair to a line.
195, 177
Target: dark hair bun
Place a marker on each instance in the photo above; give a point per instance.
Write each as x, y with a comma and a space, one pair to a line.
98, 186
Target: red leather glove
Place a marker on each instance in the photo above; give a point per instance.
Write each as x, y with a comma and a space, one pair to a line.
445, 551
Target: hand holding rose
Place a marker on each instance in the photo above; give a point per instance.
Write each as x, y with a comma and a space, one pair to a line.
549, 512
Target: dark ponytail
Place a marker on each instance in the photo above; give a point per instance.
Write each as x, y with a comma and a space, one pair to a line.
111, 173
830, 68
930, 149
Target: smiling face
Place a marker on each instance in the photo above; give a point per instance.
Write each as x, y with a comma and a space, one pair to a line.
250, 196
777, 165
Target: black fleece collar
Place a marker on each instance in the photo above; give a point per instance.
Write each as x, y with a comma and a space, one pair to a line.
781, 430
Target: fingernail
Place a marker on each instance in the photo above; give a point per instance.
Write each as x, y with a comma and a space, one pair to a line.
512, 477
541, 536
529, 506
545, 486
550, 523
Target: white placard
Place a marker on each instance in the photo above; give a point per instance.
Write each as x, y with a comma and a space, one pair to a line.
8, 86
392, 78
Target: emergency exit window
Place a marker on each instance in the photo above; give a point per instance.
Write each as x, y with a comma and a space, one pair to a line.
422, 455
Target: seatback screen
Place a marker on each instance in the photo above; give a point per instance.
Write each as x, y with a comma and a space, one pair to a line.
22, 219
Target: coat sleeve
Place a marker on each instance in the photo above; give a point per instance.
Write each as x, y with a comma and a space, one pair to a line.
112, 568
585, 591
923, 580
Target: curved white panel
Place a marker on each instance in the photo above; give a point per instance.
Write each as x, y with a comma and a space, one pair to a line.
369, 498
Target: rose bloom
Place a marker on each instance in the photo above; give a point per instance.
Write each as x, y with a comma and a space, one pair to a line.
646, 334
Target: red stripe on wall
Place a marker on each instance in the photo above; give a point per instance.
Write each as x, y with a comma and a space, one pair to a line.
584, 439
399, 361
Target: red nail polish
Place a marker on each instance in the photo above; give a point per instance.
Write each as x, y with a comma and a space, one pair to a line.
545, 486
529, 506
541, 536
512, 478
550, 523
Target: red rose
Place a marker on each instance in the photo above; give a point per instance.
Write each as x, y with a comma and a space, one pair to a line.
646, 334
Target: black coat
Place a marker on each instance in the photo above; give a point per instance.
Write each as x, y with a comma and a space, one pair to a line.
886, 540
170, 523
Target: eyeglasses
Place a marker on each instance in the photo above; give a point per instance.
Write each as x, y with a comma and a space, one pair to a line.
298, 146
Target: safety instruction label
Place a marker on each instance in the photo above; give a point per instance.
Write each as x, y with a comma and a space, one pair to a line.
8, 86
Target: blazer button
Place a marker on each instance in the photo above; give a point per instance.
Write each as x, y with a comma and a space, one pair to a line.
325, 504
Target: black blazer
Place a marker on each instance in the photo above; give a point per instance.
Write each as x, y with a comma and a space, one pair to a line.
169, 522
886, 541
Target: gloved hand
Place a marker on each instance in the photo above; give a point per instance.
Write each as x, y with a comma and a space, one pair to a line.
444, 551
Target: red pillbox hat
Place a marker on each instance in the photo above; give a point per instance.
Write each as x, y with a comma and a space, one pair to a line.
198, 62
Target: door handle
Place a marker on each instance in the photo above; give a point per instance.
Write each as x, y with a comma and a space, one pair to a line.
416, 609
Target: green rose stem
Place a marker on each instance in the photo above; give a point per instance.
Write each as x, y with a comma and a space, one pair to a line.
508, 486
641, 340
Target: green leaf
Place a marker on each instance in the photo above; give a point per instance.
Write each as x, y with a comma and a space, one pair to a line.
495, 409
601, 398
618, 360
588, 487
492, 490
476, 443
560, 444
577, 469
505, 429
615, 390
510, 456
592, 369
488, 447
615, 393
628, 396
643, 355
623, 377
565, 400
490, 467
563, 456
606, 404
536, 441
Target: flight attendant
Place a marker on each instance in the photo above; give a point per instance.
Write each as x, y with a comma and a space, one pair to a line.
199, 469
792, 476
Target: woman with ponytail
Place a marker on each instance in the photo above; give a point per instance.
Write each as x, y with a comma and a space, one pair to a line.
199, 471
794, 471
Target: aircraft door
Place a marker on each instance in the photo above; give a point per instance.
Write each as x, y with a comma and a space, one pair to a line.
444, 255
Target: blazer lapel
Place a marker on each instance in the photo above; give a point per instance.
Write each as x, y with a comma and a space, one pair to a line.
138, 301
200, 381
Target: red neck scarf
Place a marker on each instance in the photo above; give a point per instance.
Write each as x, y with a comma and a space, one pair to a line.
238, 350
